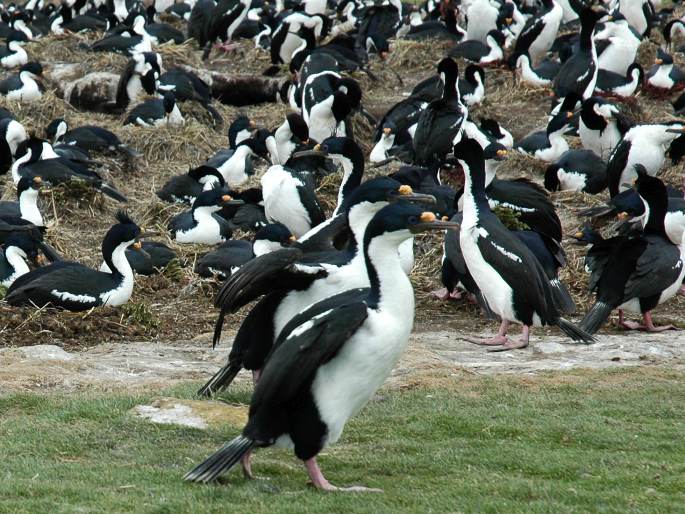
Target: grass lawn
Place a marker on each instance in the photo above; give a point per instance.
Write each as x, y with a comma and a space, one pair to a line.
611, 441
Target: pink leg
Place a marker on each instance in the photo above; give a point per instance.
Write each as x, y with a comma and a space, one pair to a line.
499, 339
649, 325
681, 291
246, 463
319, 481
255, 375
515, 344
456, 294
227, 46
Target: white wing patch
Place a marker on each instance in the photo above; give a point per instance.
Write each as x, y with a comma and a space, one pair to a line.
506, 253
67, 296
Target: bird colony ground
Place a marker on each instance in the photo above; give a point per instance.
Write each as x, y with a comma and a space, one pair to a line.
456, 429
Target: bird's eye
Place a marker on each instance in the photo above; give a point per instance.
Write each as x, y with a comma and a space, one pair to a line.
413, 219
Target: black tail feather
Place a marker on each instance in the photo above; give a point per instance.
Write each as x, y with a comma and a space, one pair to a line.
221, 379
112, 192
574, 331
218, 326
596, 317
596, 212
562, 298
223, 460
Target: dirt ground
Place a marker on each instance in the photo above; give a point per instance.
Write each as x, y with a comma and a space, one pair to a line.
176, 306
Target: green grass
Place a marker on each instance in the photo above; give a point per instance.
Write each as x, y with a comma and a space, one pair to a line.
579, 442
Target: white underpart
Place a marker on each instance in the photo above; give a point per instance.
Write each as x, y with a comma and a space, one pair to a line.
134, 88
207, 229
495, 53
632, 10
345, 384
28, 207
648, 147
380, 149
264, 246
602, 144
282, 200
322, 123
21, 26
541, 45
621, 53
120, 295
570, 180
18, 58
233, 169
284, 146
120, 11
29, 90
308, 99
482, 18
175, 118
343, 278
15, 135
16, 257
348, 168
528, 75
478, 93
661, 78
674, 223
558, 146
628, 89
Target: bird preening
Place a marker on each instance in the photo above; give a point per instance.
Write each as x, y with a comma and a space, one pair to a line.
520, 155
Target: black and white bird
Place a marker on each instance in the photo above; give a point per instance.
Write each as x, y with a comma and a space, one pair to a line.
186, 187
441, 120
235, 164
325, 366
617, 45
286, 138
642, 144
489, 52
290, 198
510, 277
542, 75
578, 74
665, 75
17, 249
226, 18
201, 224
36, 158
549, 144
26, 206
12, 133
539, 32
292, 279
134, 41
577, 170
639, 14
229, 256
13, 54
601, 127
24, 86
187, 86
89, 138
624, 86
637, 273
75, 287
156, 112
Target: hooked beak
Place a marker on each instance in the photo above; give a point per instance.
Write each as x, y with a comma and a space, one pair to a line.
658, 61
40, 260
501, 155
228, 200
316, 151
430, 221
623, 216
680, 130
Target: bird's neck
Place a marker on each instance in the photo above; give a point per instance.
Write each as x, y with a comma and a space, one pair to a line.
28, 207
118, 263
586, 30
655, 212
16, 260
353, 169
203, 215
233, 170
390, 286
475, 201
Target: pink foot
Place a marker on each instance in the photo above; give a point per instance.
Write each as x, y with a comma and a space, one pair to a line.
442, 294
511, 344
228, 46
681, 291
456, 295
256, 374
498, 340
648, 325
246, 463
319, 481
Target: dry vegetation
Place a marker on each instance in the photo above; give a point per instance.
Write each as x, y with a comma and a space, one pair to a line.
177, 304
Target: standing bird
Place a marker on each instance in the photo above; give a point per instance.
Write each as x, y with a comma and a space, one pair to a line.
329, 361
441, 121
537, 35
75, 287
636, 273
579, 73
510, 277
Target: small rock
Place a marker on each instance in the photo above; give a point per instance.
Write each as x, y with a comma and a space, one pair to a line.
48, 352
545, 348
192, 413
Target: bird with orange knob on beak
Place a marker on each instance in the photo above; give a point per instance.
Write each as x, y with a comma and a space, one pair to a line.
332, 357
665, 76
201, 224
75, 287
287, 281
